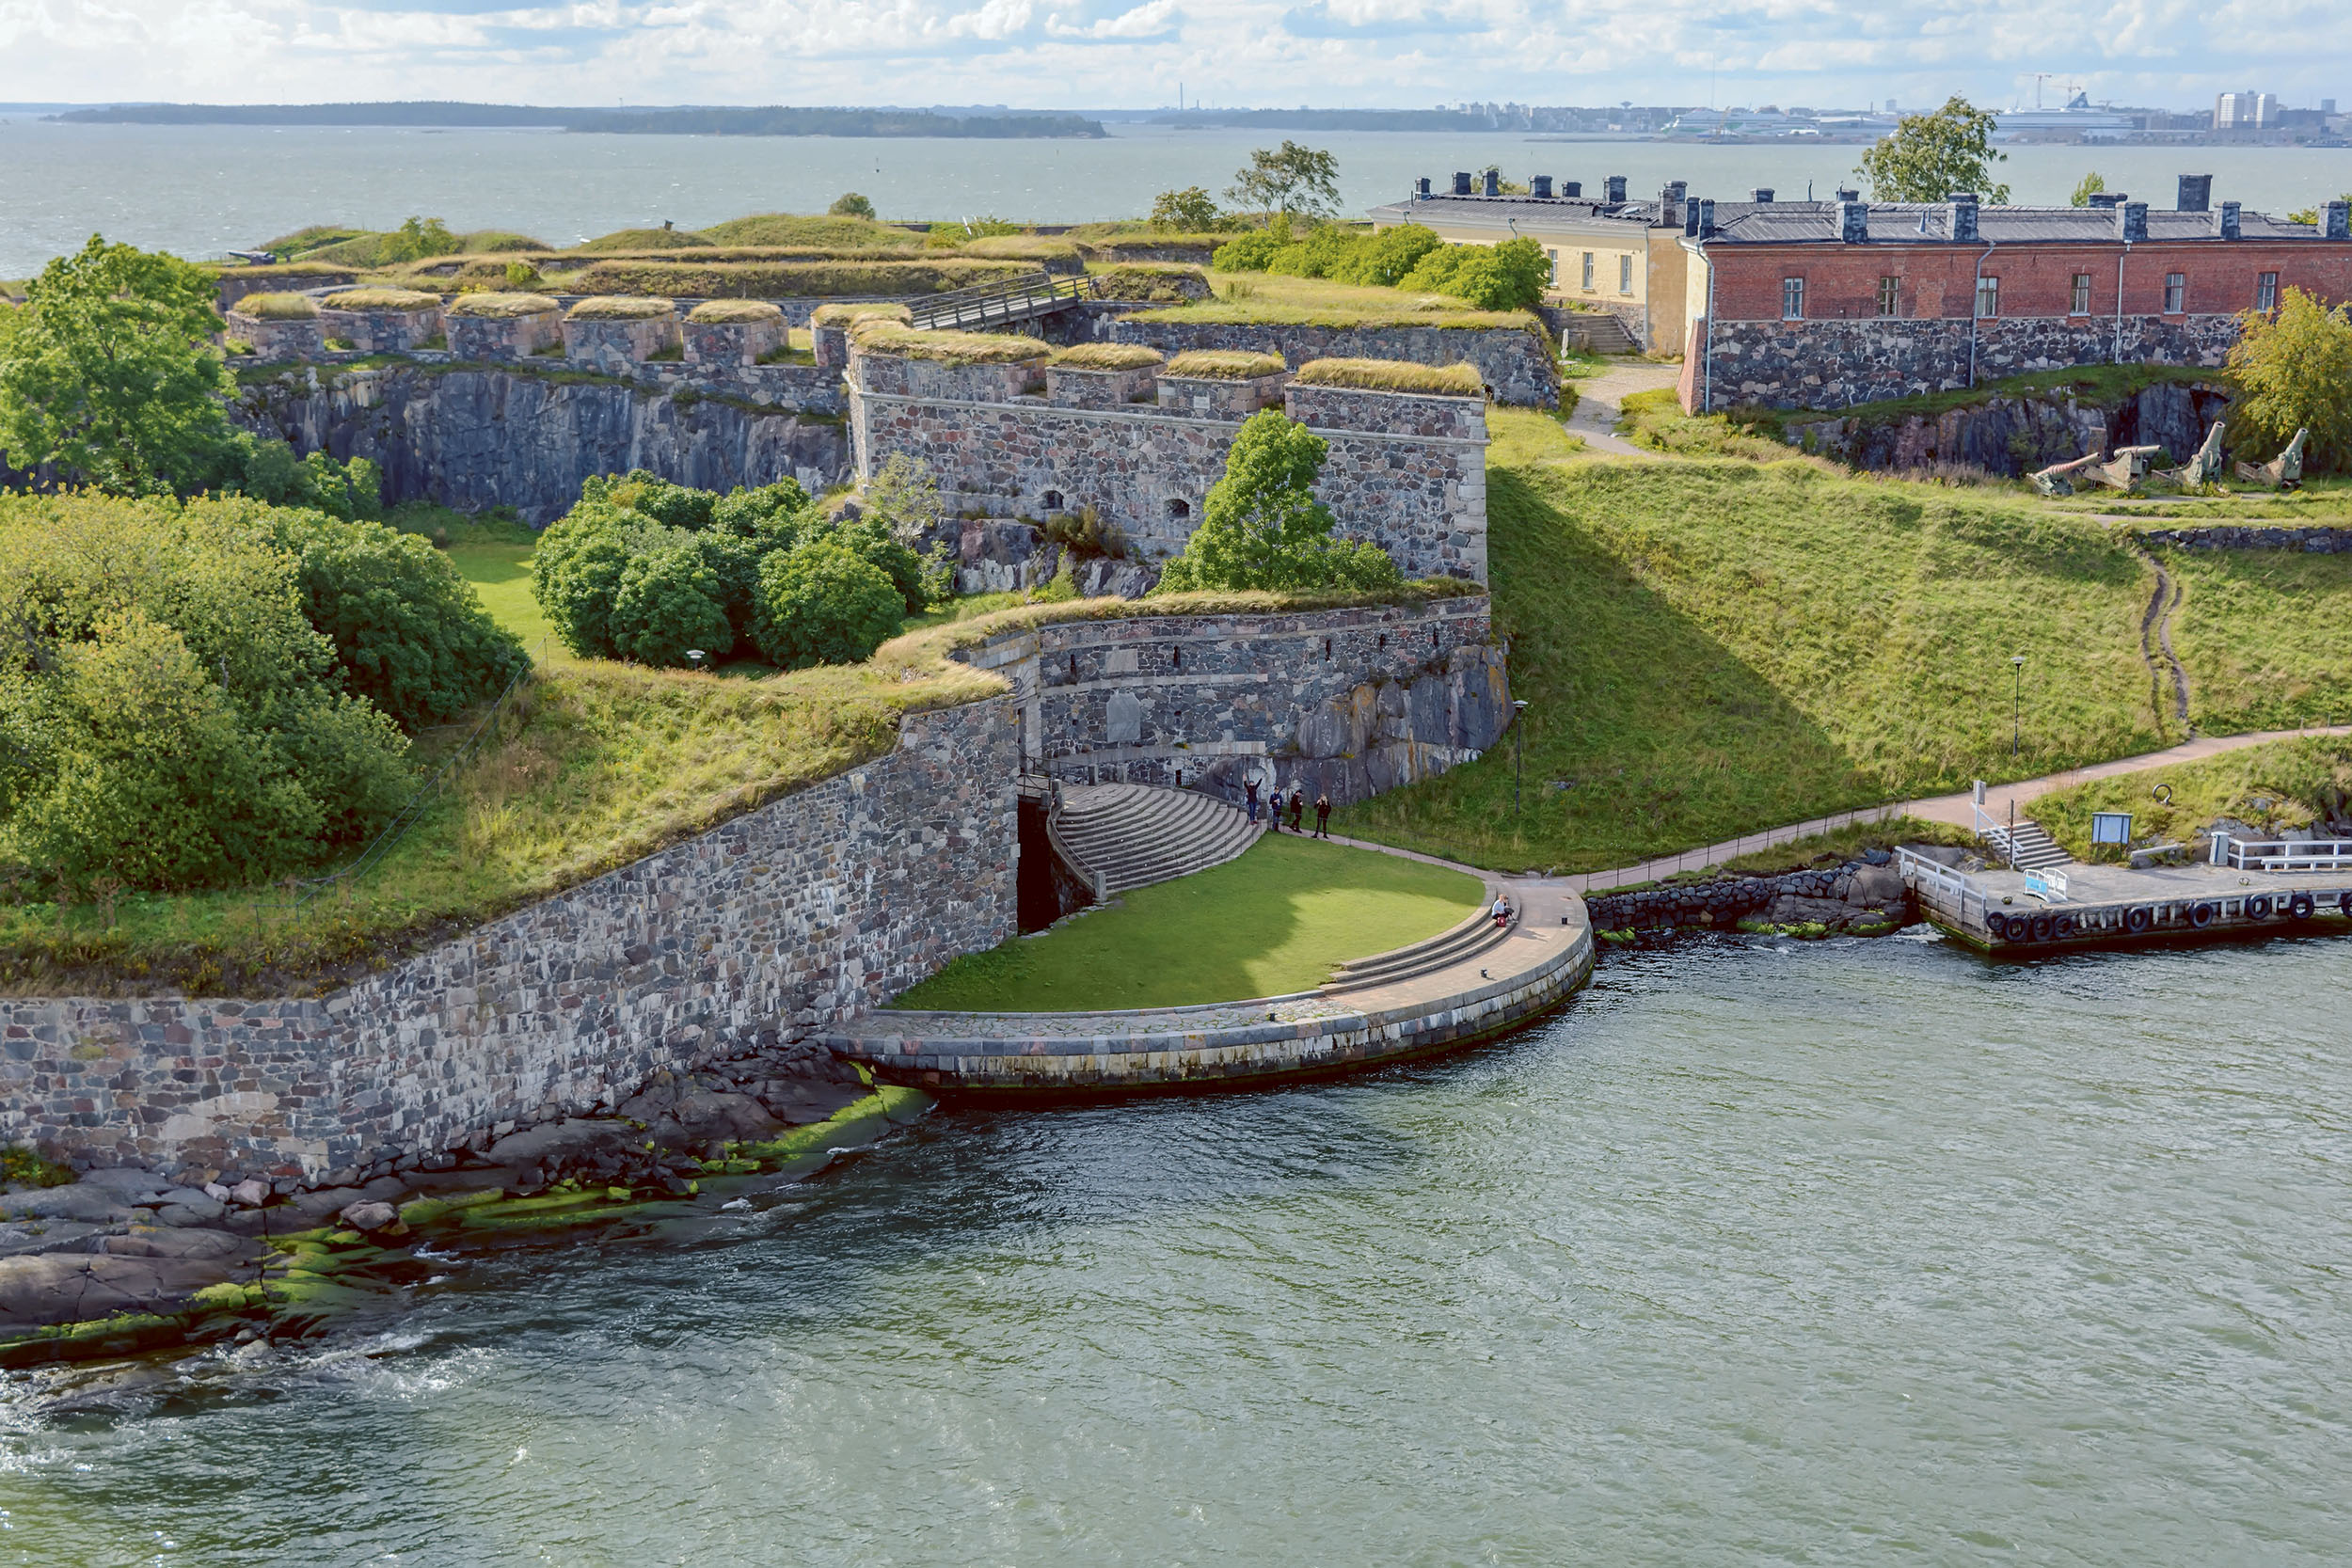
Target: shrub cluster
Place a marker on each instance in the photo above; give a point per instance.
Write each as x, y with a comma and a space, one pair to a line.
1507, 277
645, 570
1262, 527
205, 695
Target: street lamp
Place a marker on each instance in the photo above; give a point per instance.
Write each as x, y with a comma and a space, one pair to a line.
1519, 756
2016, 705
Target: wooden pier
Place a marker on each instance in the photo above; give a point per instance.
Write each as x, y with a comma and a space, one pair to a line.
2010, 912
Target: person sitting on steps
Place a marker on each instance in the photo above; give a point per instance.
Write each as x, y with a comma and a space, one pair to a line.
1502, 910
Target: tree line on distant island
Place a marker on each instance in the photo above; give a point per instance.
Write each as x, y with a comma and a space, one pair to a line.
768, 120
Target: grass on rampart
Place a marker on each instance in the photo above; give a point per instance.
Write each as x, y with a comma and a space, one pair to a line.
2265, 635
1277, 920
1393, 375
2271, 787
1270, 299
646, 239
793, 280
381, 299
811, 229
1225, 364
1107, 357
725, 312
277, 307
502, 306
621, 308
880, 335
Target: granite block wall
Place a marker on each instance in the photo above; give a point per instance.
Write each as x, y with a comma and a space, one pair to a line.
2014, 435
1066, 386
382, 331
620, 346
273, 338
732, 343
1517, 363
797, 914
1347, 702
504, 337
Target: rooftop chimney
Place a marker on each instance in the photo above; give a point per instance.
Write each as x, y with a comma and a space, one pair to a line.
1682, 189
2335, 222
2225, 221
1762, 196
1670, 207
1461, 184
2103, 200
1616, 189
1963, 210
2131, 220
1853, 222
1847, 193
2196, 193
1706, 220
1543, 185
1494, 183
1420, 189
1572, 187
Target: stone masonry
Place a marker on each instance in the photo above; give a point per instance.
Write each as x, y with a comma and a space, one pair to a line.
1407, 472
1517, 364
1348, 701
800, 914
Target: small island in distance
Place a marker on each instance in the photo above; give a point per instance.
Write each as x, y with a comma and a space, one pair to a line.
769, 121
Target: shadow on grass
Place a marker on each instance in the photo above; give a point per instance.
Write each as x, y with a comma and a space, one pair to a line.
1275, 921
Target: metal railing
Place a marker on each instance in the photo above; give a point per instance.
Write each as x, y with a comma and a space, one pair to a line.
999, 304
2281, 854
1938, 887
1716, 854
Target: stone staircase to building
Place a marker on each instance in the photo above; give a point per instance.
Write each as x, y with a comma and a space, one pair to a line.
2027, 847
1122, 836
1595, 332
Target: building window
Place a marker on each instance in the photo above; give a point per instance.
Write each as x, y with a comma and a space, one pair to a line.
1988, 296
1588, 272
2079, 300
1792, 299
2176, 293
1552, 258
1625, 275
2266, 292
1890, 298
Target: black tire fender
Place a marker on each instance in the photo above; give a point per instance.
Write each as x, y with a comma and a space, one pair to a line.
1997, 923
2301, 905
2200, 915
2138, 918
2041, 927
2258, 907
2343, 903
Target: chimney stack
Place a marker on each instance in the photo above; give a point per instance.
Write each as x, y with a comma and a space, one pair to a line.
1572, 187
2196, 193
1681, 188
2225, 221
1461, 184
1704, 224
2105, 200
1853, 222
1494, 181
1543, 185
2133, 219
2335, 221
1616, 189
1964, 210
1670, 207
1847, 193
1420, 189
1762, 196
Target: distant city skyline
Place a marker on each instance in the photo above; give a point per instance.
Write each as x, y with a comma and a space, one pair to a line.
1069, 53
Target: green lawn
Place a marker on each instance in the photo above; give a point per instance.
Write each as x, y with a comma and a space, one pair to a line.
2273, 787
2265, 635
1279, 919
500, 574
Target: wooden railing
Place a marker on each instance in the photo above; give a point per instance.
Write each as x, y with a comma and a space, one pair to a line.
999, 304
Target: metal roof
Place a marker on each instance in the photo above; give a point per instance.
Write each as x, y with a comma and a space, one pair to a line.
1501, 211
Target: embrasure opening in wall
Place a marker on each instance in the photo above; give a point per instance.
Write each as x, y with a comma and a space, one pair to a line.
1179, 510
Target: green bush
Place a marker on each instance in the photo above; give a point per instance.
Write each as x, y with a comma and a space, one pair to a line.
1507, 277
172, 718
849, 204
1262, 527
669, 601
824, 603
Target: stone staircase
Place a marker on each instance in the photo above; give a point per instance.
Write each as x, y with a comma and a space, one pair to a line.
1122, 836
2027, 846
1595, 332
1449, 947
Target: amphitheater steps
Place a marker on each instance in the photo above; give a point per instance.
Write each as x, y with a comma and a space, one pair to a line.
1132, 835
1449, 947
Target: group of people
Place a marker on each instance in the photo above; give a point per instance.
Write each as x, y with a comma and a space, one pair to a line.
1297, 805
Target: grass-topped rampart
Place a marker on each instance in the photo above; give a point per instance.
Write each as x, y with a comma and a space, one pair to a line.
1224, 364
277, 307
1107, 357
1393, 376
621, 308
794, 279
402, 300
502, 306
877, 334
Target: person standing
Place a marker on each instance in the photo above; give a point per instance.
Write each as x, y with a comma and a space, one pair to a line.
1323, 815
1299, 810
1273, 807
1249, 786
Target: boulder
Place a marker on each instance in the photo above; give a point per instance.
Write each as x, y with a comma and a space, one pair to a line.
66, 1288
556, 1144
202, 1211
1791, 908
371, 1216
704, 1115
1876, 887
152, 1242
131, 1184
81, 1201
251, 1193
320, 1203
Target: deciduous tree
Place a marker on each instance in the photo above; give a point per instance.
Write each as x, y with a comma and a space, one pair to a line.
1290, 180
1190, 211
1261, 526
1928, 157
2294, 371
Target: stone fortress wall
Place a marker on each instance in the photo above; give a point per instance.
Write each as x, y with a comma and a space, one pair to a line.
802, 912
1405, 471
1344, 702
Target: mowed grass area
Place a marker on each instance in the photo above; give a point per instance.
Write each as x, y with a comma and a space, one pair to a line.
2265, 635
500, 571
2288, 784
1711, 648
1279, 918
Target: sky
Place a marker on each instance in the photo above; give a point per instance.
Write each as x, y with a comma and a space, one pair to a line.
1054, 54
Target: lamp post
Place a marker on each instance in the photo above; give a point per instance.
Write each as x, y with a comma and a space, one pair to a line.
1518, 755
2016, 706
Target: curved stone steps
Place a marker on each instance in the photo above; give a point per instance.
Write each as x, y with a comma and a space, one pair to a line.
1132, 835
1450, 946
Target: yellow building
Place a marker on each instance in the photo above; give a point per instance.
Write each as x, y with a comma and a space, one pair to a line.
1619, 257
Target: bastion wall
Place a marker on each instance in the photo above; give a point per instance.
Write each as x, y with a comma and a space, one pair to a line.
1517, 364
1344, 701
802, 912
1407, 472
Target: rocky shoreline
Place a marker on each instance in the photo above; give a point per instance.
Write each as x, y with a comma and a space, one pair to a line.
121, 1261
1864, 896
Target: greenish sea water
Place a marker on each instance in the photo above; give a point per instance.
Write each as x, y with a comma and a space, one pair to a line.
1759, 1252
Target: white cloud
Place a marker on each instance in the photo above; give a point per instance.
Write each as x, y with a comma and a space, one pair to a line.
1075, 52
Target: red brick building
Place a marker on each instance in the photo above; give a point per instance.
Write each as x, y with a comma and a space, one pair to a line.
1823, 305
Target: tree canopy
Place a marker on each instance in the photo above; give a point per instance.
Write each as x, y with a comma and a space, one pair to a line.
1290, 180
2087, 186
1190, 211
1263, 526
1929, 157
2294, 371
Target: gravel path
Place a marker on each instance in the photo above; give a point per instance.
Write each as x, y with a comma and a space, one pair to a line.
1598, 401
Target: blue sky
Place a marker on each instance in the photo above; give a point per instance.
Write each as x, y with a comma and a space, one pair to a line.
1056, 53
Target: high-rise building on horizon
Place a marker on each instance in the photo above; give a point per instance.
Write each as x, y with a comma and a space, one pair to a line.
2245, 111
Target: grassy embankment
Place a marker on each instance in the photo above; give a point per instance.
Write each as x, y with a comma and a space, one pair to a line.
1278, 920
2289, 783
1712, 648
594, 764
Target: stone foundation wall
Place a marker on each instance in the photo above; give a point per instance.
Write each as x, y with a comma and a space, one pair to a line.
1517, 364
1406, 473
382, 331
795, 915
1725, 901
1344, 702
732, 343
274, 339
620, 346
2239, 536
1836, 364
2015, 436
504, 337
473, 437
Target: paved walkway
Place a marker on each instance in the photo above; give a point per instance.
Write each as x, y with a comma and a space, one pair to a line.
1598, 398
1953, 809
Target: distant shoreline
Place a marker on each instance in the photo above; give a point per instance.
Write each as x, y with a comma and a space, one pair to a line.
763, 121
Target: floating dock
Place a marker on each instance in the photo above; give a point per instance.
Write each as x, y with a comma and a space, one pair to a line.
2011, 913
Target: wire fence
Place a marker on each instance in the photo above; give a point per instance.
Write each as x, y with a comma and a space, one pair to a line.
1662, 866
